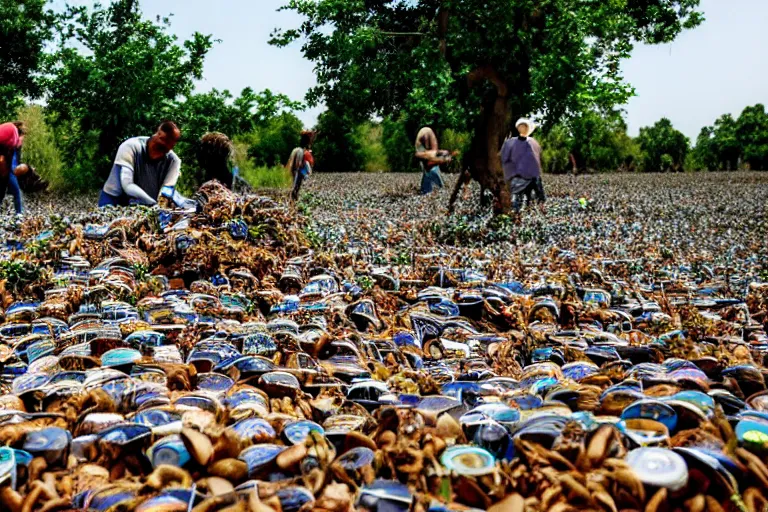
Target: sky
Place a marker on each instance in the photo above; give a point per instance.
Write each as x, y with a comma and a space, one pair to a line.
717, 68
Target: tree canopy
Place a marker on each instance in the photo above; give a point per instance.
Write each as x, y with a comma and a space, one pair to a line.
476, 64
25, 27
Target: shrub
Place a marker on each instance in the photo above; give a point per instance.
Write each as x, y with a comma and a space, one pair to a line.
370, 137
260, 176
336, 148
272, 143
397, 146
40, 149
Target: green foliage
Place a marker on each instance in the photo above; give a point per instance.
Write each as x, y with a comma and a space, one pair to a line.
556, 147
663, 147
264, 122
732, 141
18, 274
271, 143
751, 130
113, 75
337, 149
277, 177
600, 142
40, 149
414, 58
25, 27
370, 137
398, 146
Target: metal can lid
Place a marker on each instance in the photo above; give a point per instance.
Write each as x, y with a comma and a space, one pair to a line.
659, 467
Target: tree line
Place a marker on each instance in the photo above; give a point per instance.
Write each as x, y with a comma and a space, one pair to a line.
107, 73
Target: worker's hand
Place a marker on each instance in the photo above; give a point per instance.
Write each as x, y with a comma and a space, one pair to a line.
21, 170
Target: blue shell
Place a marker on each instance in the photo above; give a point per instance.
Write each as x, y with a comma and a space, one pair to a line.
260, 456
297, 431
579, 370
214, 382
390, 490
254, 430
155, 417
201, 402
356, 459
125, 434
527, 402
246, 365
105, 499
259, 344
652, 410
51, 443
701, 400
72, 376
7, 466
498, 411
456, 389
438, 403
120, 357
746, 425
29, 382
292, 499
406, 339
281, 379
169, 450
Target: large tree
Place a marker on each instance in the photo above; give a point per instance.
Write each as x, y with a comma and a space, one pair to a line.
25, 27
477, 62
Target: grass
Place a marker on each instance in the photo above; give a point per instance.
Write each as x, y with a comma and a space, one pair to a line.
261, 177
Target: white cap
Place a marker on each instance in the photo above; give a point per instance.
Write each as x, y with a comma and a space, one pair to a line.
527, 122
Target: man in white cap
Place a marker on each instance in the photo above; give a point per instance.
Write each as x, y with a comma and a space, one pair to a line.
521, 159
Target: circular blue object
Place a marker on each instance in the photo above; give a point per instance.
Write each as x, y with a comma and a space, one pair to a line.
652, 410
298, 431
254, 429
258, 457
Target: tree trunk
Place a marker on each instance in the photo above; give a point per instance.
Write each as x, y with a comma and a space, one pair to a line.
484, 161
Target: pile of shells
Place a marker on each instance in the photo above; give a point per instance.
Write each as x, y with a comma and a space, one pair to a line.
233, 354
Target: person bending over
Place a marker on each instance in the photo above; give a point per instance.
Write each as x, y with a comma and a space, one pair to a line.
143, 166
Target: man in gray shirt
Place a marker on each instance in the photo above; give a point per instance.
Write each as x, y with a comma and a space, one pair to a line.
521, 159
143, 166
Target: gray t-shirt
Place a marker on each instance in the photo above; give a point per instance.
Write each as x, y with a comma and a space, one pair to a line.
149, 175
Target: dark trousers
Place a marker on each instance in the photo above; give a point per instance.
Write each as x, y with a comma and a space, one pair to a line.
110, 200
297, 181
15, 190
534, 188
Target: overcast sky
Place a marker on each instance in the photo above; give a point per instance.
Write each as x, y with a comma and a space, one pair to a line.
720, 67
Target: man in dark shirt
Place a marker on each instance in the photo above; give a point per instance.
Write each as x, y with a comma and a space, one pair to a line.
521, 159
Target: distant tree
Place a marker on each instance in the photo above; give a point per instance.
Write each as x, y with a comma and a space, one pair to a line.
337, 149
663, 147
751, 131
600, 142
476, 63
556, 144
398, 146
25, 28
114, 76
